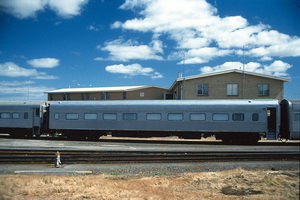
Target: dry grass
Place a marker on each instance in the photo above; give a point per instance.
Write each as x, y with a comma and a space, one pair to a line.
233, 184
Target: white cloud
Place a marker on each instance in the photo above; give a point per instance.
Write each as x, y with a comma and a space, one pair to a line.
195, 26
119, 50
22, 91
288, 48
94, 28
133, 70
44, 62
277, 68
29, 8
10, 69
67, 8
198, 56
46, 77
23, 8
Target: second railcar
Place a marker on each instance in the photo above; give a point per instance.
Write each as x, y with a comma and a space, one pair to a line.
226, 119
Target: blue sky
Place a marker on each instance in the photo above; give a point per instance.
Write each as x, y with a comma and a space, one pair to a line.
53, 44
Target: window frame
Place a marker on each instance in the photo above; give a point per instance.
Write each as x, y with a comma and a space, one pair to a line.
174, 114
56, 116
26, 115
105, 115
263, 89
200, 114
204, 88
85, 96
255, 117
154, 114
236, 119
72, 116
90, 114
5, 115
16, 115
127, 116
232, 89
220, 114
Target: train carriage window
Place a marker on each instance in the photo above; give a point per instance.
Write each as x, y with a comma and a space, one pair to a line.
5, 115
37, 112
129, 116
90, 116
153, 116
297, 117
110, 116
238, 117
197, 117
56, 116
16, 115
220, 117
26, 115
255, 117
72, 116
175, 116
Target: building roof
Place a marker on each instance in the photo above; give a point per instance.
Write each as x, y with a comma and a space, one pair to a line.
102, 89
229, 71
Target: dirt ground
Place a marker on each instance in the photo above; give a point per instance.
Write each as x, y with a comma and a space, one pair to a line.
232, 184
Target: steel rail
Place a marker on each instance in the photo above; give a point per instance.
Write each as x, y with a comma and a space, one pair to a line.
94, 157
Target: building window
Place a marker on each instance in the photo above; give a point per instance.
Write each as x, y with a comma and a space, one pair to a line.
202, 89
142, 94
107, 96
85, 96
232, 89
66, 96
263, 89
124, 95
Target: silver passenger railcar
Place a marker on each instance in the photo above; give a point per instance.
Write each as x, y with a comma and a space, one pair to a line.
228, 120
21, 119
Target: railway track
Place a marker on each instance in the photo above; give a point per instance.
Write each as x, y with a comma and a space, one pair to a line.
98, 157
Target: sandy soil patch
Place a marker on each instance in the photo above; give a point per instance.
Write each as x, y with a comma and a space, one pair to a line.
232, 184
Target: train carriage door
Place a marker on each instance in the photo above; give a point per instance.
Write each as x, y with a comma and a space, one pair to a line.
36, 122
272, 123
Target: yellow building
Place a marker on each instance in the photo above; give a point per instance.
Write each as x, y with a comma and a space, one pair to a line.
229, 84
108, 93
